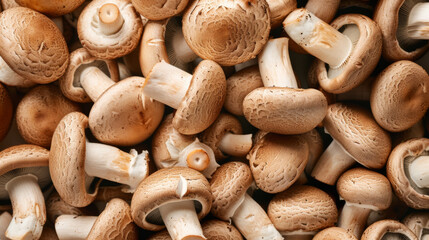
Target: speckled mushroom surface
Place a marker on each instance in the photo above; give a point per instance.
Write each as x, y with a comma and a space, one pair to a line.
6, 111
32, 45
227, 32
334, 233
388, 229
51, 8
159, 10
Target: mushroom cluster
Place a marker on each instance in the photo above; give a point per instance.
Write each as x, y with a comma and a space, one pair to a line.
214, 119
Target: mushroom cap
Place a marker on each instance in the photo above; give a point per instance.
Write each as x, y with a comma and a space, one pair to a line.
160, 188
417, 222
6, 111
398, 173
285, 110
380, 229
125, 119
229, 185
109, 46
51, 8
238, 86
362, 60
315, 148
279, 9
325, 10
302, 208
334, 233
277, 161
159, 10
70, 81
357, 186
359, 134
400, 96
40, 52
203, 101
55, 207
67, 160
115, 222
39, 112
6, 4
227, 32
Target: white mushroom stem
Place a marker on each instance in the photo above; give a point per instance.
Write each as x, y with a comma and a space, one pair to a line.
95, 82
275, 66
253, 222
237, 145
28, 203
181, 220
11, 78
5, 219
111, 19
108, 162
317, 37
419, 171
418, 21
200, 157
167, 84
353, 218
182, 50
73, 227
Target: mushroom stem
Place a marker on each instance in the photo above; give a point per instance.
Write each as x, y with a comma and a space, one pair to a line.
317, 37
353, 219
5, 219
111, 19
418, 21
95, 82
28, 203
11, 78
73, 227
237, 145
200, 157
332, 163
181, 220
246, 64
419, 171
167, 84
108, 162
253, 222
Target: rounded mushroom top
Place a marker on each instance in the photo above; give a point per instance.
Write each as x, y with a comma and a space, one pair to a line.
302, 208
229, 185
227, 32
334, 233
388, 229
51, 8
159, 10
417, 222
357, 187
6, 111
55, 207
359, 134
166, 186
40, 52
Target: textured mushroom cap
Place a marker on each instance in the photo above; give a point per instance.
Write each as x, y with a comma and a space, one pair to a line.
39, 50
203, 100
55, 207
285, 110
51, 8
362, 60
159, 10
227, 32
70, 82
6, 111
315, 148
109, 46
380, 229
334, 233
279, 9
125, 119
67, 160
400, 96
302, 208
417, 222
277, 161
357, 186
356, 130
115, 222
229, 185
238, 86
39, 112
160, 188
398, 172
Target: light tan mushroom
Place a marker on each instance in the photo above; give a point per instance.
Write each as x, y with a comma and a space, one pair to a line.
5, 219
11, 78
325, 10
418, 223
51, 8
6, 111
279, 9
334, 233
159, 10
388, 229
6, 4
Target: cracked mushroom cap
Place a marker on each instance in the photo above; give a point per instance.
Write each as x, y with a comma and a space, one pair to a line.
334, 233
162, 187
227, 32
359, 134
229, 185
397, 170
302, 209
277, 161
418, 223
400, 96
40, 52
159, 10
388, 229
51, 8
6, 111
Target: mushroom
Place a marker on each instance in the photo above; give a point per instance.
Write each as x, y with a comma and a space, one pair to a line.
72, 160
301, 211
356, 137
51, 8
107, 193
73, 16
115, 222
400, 96
395, 211
11, 78
5, 219
324, 10
357, 187
227, 32
407, 170
6, 4
159, 10
198, 98
6, 111
334, 233
109, 29
175, 197
415, 131
418, 223
315, 148
55, 207
388, 229
351, 55
279, 9
231, 202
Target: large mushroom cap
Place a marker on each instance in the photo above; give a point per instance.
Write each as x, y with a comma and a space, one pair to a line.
6, 111
388, 229
334, 233
159, 10
39, 50
51, 8
227, 32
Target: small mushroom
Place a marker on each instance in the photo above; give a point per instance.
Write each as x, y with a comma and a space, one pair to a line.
5, 219
325, 10
334, 233
388, 229
418, 223
6, 111
159, 10
51, 8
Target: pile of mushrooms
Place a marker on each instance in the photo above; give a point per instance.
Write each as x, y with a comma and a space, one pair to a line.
205, 120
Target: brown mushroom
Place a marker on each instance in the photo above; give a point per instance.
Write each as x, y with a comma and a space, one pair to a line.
396, 211
159, 10
6, 111
418, 223
55, 207
51, 8
388, 229
6, 4
107, 193
325, 10
5, 219
11, 78
279, 9
334, 233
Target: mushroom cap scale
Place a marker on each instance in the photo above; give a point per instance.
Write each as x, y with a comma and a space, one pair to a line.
388, 228
51, 8
159, 10
6, 111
